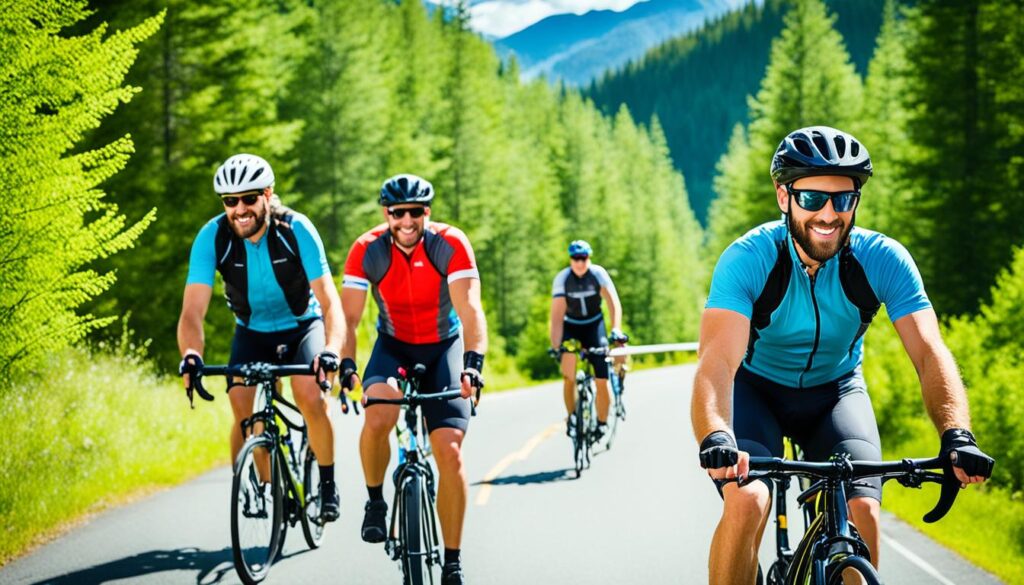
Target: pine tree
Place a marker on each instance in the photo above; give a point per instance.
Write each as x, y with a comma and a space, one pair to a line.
810, 81
886, 204
54, 219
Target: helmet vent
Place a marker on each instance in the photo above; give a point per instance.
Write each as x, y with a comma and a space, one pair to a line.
803, 148
242, 176
258, 172
840, 146
821, 144
232, 176
854, 148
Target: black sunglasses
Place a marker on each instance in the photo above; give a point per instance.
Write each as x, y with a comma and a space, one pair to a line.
811, 200
232, 201
414, 212
579, 258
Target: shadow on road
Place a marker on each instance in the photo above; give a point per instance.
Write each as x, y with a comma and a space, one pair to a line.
211, 567
541, 477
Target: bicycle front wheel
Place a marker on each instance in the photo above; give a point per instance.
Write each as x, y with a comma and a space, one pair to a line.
257, 503
848, 569
312, 526
579, 441
417, 542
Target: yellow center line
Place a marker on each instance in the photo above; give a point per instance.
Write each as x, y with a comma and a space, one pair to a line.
485, 484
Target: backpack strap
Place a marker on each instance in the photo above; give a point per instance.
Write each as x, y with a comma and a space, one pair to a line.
771, 296
858, 291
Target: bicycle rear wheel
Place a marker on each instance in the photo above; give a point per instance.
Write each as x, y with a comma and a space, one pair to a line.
256, 510
852, 566
414, 524
312, 526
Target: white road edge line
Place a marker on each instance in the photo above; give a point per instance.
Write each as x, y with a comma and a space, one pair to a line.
916, 560
485, 488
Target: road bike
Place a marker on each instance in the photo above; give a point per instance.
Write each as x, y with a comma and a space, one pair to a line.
831, 545
412, 536
276, 479
583, 429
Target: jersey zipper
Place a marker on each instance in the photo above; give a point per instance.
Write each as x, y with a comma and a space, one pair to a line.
817, 328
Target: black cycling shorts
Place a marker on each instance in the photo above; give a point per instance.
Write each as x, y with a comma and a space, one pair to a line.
830, 418
590, 335
444, 371
297, 346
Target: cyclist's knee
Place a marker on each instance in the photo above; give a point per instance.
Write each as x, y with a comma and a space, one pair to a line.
307, 394
865, 509
747, 504
447, 447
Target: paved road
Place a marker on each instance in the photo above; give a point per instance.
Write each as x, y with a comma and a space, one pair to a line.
644, 513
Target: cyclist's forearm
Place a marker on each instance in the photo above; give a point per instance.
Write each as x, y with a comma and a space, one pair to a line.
474, 329
943, 391
190, 335
557, 327
711, 406
334, 325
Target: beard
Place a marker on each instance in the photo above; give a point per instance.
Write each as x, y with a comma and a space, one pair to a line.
407, 240
819, 251
259, 219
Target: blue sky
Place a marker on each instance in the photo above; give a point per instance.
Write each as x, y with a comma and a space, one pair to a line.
503, 17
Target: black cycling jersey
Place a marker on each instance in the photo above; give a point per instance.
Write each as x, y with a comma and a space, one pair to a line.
582, 293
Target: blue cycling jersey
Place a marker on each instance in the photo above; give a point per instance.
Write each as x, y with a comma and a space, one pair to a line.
808, 339
270, 311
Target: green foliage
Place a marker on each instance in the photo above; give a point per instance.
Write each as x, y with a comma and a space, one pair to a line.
698, 83
212, 84
54, 220
966, 113
810, 81
104, 427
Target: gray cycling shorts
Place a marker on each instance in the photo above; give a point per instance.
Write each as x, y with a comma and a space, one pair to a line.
835, 417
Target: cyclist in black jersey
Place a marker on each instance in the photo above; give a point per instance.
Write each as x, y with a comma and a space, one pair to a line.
781, 346
576, 314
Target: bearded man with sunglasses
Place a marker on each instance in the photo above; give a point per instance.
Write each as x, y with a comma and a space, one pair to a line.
781, 346
287, 309
424, 278
576, 296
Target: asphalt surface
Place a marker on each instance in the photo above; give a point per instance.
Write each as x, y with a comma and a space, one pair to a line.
643, 513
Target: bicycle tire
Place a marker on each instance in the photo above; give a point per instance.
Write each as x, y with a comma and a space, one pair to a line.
312, 526
412, 531
579, 440
834, 570
618, 411
255, 545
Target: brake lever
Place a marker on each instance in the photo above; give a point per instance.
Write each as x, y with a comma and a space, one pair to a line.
950, 489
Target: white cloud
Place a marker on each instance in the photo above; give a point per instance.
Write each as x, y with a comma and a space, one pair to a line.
503, 17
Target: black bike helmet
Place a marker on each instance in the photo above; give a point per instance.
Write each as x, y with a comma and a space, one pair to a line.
820, 150
406, 189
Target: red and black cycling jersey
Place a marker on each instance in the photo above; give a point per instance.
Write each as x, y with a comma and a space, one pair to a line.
412, 289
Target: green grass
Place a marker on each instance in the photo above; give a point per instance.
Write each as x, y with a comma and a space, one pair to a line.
986, 526
93, 431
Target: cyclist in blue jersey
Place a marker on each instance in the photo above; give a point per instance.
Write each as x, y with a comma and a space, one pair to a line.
286, 306
576, 293
781, 345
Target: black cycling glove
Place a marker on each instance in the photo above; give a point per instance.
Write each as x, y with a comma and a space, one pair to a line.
968, 456
348, 372
718, 450
192, 365
472, 366
555, 353
328, 362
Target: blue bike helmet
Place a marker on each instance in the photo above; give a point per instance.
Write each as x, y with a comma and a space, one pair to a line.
820, 150
580, 248
406, 189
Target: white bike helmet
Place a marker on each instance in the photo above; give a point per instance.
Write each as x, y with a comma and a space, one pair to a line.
243, 172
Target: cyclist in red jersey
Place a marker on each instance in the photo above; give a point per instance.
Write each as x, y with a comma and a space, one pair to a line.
424, 278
